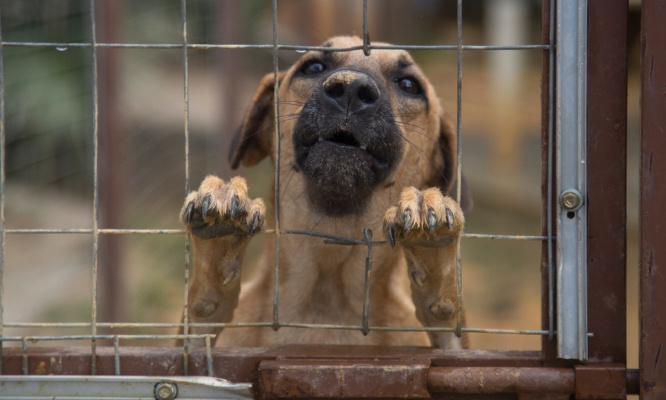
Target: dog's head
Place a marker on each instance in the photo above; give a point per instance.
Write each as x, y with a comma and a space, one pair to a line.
351, 123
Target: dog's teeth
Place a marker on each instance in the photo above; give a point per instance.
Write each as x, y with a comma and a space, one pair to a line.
364, 147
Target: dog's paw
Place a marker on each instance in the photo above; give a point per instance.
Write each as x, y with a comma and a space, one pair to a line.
423, 218
220, 208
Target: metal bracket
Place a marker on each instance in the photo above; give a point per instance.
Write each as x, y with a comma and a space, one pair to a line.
336, 378
120, 387
601, 381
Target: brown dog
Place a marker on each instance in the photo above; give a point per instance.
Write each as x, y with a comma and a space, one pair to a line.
364, 143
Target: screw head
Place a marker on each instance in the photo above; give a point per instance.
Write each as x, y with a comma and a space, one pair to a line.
571, 199
165, 391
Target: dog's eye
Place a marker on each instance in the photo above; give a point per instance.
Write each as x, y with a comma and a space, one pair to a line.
409, 85
313, 67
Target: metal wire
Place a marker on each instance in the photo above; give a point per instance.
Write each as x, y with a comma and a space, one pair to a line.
24, 352
278, 147
209, 356
38, 338
232, 325
3, 159
279, 47
551, 182
95, 233
186, 101
366, 33
368, 269
116, 355
329, 239
275, 324
458, 193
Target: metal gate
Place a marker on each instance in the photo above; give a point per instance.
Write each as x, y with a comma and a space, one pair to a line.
583, 351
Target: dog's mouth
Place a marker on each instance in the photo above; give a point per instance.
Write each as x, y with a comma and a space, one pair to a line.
343, 137
344, 144
341, 169
341, 152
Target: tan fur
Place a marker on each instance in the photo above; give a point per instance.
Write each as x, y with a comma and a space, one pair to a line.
324, 283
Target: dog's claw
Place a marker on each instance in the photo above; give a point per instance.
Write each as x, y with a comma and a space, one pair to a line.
233, 213
188, 212
407, 220
204, 205
432, 220
449, 219
391, 236
255, 223
416, 279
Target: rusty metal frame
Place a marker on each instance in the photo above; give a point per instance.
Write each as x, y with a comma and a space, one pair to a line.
372, 372
653, 196
353, 371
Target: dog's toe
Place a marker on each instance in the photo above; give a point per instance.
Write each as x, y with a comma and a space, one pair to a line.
443, 309
423, 218
220, 208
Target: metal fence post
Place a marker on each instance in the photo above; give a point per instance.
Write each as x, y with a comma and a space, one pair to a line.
571, 178
607, 172
653, 198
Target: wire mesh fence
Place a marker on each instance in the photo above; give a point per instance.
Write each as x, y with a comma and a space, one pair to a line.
94, 330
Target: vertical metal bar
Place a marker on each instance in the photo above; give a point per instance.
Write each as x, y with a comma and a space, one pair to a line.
209, 356
653, 198
550, 172
116, 355
571, 126
113, 174
276, 91
367, 233
93, 56
24, 355
186, 106
459, 20
607, 184
366, 32
2, 194
548, 285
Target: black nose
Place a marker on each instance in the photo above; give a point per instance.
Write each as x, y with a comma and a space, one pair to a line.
351, 91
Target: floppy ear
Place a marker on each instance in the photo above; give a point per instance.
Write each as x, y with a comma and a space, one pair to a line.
253, 141
446, 177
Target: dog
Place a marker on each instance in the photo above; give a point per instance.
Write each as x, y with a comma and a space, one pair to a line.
365, 143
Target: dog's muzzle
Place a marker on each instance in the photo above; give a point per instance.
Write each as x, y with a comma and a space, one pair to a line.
346, 141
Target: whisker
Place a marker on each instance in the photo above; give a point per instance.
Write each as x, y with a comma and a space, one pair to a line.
299, 94
287, 181
292, 102
418, 130
311, 229
413, 128
419, 150
401, 136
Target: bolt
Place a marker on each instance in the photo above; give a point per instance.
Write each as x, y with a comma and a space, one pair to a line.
165, 391
571, 199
